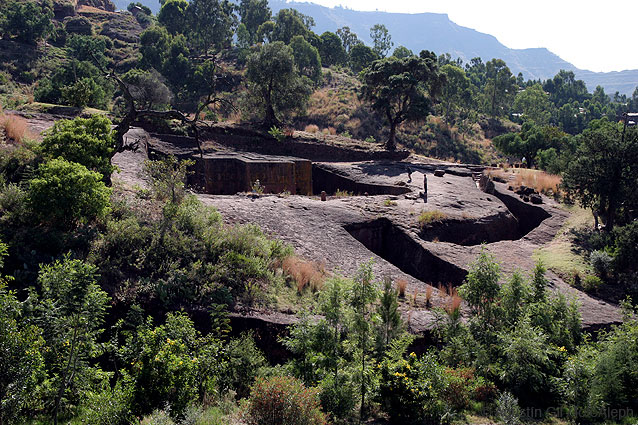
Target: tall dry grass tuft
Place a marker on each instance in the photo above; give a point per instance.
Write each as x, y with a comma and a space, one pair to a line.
15, 128
312, 128
401, 285
538, 180
304, 273
453, 304
428, 296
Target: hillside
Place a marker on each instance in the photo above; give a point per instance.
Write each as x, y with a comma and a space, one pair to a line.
436, 32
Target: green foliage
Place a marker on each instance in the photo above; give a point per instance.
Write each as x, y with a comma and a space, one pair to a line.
147, 88
604, 173
411, 389
401, 89
88, 142
361, 57
534, 141
66, 193
381, 39
243, 362
27, 21
500, 87
481, 287
253, 14
21, 360
172, 16
168, 178
402, 52
274, 85
277, 134
307, 58
210, 23
290, 23
534, 104
170, 364
331, 49
457, 93
429, 217
71, 312
284, 401
507, 409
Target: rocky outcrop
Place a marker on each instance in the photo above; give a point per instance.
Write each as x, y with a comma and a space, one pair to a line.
98, 4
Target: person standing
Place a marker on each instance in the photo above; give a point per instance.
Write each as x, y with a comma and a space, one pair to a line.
409, 170
425, 188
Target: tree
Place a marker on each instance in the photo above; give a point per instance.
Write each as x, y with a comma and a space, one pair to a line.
331, 49
390, 324
86, 141
564, 88
289, 23
348, 38
71, 309
211, 24
481, 289
307, 58
148, 88
534, 104
381, 39
604, 172
21, 360
27, 21
361, 57
456, 92
274, 83
500, 87
401, 89
65, 193
364, 295
530, 141
173, 16
402, 52
253, 13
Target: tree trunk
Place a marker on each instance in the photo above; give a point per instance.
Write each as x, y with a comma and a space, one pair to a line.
391, 144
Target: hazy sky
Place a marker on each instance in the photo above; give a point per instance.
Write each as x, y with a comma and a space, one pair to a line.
594, 35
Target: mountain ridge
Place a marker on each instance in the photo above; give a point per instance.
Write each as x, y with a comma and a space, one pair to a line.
440, 34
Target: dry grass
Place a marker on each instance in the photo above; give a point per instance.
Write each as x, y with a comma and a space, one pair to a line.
15, 128
312, 128
428, 296
539, 180
343, 193
401, 285
304, 273
429, 217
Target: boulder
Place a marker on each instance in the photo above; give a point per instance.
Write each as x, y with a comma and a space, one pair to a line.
486, 184
536, 198
439, 173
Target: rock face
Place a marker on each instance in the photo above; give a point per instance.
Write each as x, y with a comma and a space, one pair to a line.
78, 25
486, 184
98, 4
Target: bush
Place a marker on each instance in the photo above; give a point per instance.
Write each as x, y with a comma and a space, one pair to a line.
592, 283
507, 409
284, 401
85, 141
601, 262
66, 193
411, 389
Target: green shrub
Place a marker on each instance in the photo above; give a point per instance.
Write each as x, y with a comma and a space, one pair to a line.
27, 21
65, 193
284, 401
592, 283
85, 141
277, 134
242, 363
601, 261
411, 390
507, 409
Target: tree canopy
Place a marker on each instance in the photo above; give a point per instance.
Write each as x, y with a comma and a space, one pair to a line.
401, 89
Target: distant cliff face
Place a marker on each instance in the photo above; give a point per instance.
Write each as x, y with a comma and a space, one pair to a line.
435, 32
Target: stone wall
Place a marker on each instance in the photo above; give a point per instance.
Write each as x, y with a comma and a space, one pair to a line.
227, 174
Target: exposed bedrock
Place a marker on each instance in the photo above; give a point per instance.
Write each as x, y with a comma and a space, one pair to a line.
397, 247
328, 179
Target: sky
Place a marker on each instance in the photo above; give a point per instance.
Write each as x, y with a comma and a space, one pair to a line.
593, 35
